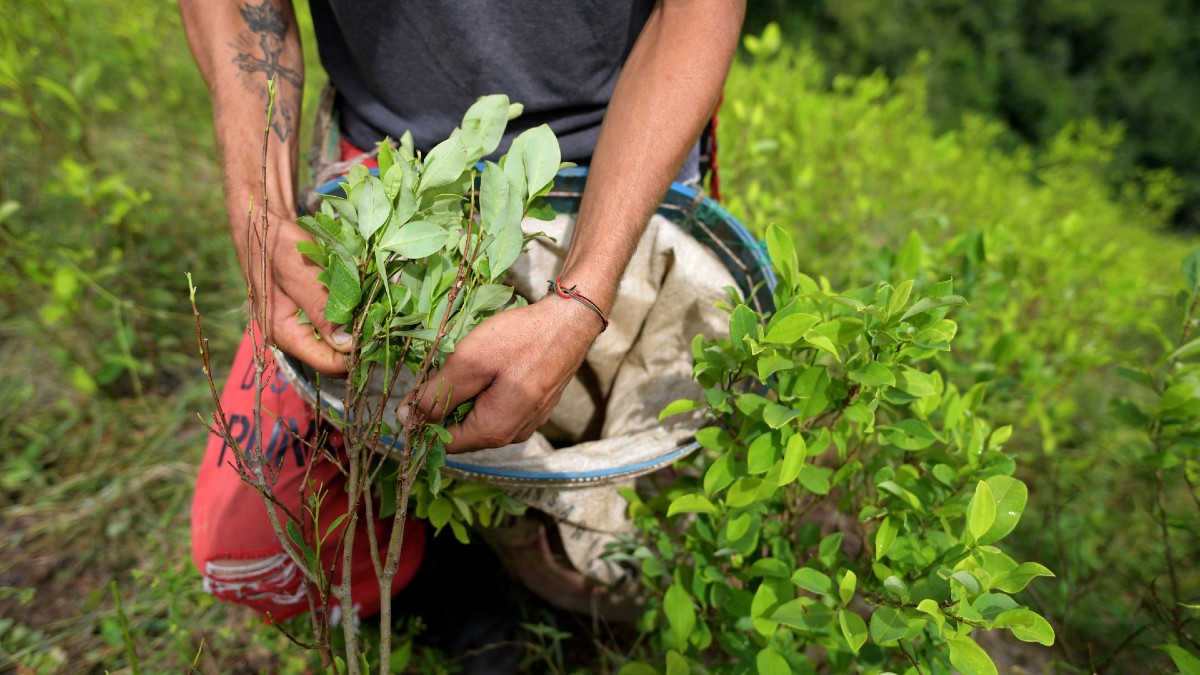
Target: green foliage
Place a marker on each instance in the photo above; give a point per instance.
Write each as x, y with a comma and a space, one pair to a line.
414, 259
407, 264
1067, 284
1163, 406
856, 418
1036, 65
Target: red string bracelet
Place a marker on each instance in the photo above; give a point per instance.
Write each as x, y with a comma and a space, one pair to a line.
557, 287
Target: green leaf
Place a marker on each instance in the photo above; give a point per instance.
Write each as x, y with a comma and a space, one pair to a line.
846, 586
888, 624
541, 157
969, 582
737, 527
991, 605
1187, 663
440, 512
815, 479
743, 492
761, 455
720, 475
825, 336
497, 207
490, 297
1017, 579
1010, 495
415, 240
969, 658
829, 548
853, 628
293, 533
1026, 625
677, 664
769, 567
776, 415
681, 616
333, 526
374, 208
1191, 271
677, 407
800, 613
483, 126
914, 382
813, 581
885, 536
875, 374
790, 329
793, 459
782, 251
935, 612
900, 294
771, 363
742, 324
908, 434
896, 587
692, 503
506, 247
1000, 436
313, 252
771, 662
983, 511
926, 304
766, 599
344, 292
444, 163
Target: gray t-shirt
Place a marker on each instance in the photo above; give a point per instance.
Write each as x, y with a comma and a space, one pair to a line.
418, 64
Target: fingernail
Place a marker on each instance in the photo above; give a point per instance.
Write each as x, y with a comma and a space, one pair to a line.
340, 337
402, 414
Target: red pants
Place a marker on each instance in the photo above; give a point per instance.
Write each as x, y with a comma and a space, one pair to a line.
233, 543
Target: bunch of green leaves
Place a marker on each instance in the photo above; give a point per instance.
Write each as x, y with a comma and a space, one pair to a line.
831, 406
414, 257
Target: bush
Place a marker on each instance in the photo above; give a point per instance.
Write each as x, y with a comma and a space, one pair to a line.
1066, 280
846, 485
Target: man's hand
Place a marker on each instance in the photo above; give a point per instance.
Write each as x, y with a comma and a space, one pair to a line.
515, 366
287, 282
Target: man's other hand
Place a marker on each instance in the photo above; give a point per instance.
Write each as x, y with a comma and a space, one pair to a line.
287, 283
515, 366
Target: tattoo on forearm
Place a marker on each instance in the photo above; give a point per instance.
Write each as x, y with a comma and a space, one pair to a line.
270, 25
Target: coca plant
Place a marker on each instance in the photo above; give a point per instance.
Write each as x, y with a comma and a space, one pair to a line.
413, 258
846, 511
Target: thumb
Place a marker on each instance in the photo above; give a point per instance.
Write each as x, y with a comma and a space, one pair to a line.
458, 381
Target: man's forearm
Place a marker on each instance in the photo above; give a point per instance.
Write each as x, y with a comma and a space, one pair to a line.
664, 97
240, 47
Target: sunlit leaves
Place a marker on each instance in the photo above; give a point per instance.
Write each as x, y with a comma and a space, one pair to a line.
834, 402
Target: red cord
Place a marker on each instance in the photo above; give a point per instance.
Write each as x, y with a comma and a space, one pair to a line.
557, 287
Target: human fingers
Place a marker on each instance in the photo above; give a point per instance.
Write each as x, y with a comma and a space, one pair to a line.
461, 378
296, 277
503, 414
298, 341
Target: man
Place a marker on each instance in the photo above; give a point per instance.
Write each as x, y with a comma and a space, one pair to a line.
627, 85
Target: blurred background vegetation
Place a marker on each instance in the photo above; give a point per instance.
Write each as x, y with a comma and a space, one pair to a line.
1042, 154
1035, 65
